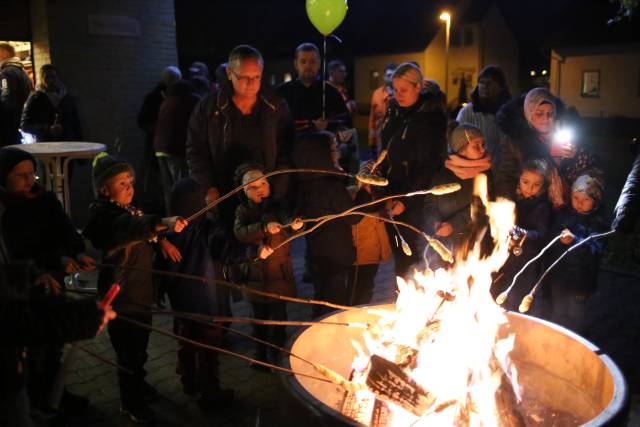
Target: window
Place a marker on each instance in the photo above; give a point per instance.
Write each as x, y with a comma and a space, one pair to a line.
468, 37
590, 87
454, 37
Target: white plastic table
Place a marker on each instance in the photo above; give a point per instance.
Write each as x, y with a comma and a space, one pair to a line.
56, 157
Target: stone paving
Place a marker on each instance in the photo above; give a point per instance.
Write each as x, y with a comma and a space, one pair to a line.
259, 396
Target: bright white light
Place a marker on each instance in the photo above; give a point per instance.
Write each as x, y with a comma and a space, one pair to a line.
287, 77
27, 138
532, 73
544, 72
445, 16
563, 136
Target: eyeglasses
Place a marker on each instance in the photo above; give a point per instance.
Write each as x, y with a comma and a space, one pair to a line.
246, 79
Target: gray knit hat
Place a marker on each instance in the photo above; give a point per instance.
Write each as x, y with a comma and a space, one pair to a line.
591, 185
462, 135
535, 98
106, 167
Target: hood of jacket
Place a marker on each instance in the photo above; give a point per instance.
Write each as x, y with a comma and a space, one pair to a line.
312, 150
480, 106
14, 61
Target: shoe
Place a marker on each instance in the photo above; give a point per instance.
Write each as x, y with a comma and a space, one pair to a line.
149, 393
216, 399
139, 413
72, 404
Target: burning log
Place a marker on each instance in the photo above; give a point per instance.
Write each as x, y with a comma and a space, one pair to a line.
391, 383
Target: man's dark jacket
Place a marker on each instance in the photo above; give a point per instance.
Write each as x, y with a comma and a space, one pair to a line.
210, 133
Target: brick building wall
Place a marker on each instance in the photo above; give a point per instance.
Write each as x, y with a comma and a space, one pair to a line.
108, 65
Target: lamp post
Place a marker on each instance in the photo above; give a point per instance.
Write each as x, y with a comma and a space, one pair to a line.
446, 16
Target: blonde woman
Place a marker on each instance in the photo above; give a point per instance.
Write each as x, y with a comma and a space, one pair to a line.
414, 133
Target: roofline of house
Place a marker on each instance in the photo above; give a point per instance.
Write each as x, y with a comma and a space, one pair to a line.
605, 49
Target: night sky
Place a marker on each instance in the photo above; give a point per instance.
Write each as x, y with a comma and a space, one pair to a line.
207, 30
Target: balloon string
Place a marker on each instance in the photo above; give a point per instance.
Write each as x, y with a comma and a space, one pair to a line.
324, 76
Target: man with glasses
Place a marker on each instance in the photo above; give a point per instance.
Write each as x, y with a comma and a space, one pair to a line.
239, 123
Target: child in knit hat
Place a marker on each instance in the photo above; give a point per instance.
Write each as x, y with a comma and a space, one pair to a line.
34, 228
448, 217
125, 235
260, 224
573, 280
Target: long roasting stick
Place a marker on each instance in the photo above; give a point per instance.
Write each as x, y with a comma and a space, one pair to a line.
505, 294
219, 349
439, 190
528, 299
229, 285
370, 179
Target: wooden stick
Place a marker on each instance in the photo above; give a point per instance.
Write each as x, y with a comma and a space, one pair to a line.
231, 285
247, 320
528, 299
105, 360
505, 294
218, 349
267, 175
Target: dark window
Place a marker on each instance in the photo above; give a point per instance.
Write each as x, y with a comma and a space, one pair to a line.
468, 36
454, 37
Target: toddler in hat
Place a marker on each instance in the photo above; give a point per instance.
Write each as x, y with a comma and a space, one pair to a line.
574, 279
448, 217
125, 235
260, 224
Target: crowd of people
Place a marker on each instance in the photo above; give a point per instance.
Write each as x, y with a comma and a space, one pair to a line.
206, 139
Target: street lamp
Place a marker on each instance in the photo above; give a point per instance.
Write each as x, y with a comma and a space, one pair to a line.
445, 16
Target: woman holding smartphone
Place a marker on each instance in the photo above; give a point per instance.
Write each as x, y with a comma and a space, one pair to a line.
536, 126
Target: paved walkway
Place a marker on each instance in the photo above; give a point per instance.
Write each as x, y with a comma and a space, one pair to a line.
259, 395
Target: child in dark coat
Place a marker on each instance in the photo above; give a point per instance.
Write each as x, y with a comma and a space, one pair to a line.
331, 248
574, 278
35, 227
198, 368
260, 224
124, 234
533, 219
448, 217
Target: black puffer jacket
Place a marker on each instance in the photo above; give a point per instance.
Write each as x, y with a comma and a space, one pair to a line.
627, 209
38, 228
521, 143
320, 195
39, 114
15, 87
416, 139
454, 208
123, 238
210, 133
578, 271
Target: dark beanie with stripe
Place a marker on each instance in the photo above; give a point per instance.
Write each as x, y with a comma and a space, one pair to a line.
106, 167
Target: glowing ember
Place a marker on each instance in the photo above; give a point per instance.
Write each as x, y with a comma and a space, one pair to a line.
448, 341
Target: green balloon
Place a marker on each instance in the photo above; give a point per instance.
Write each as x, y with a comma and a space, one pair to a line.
326, 15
